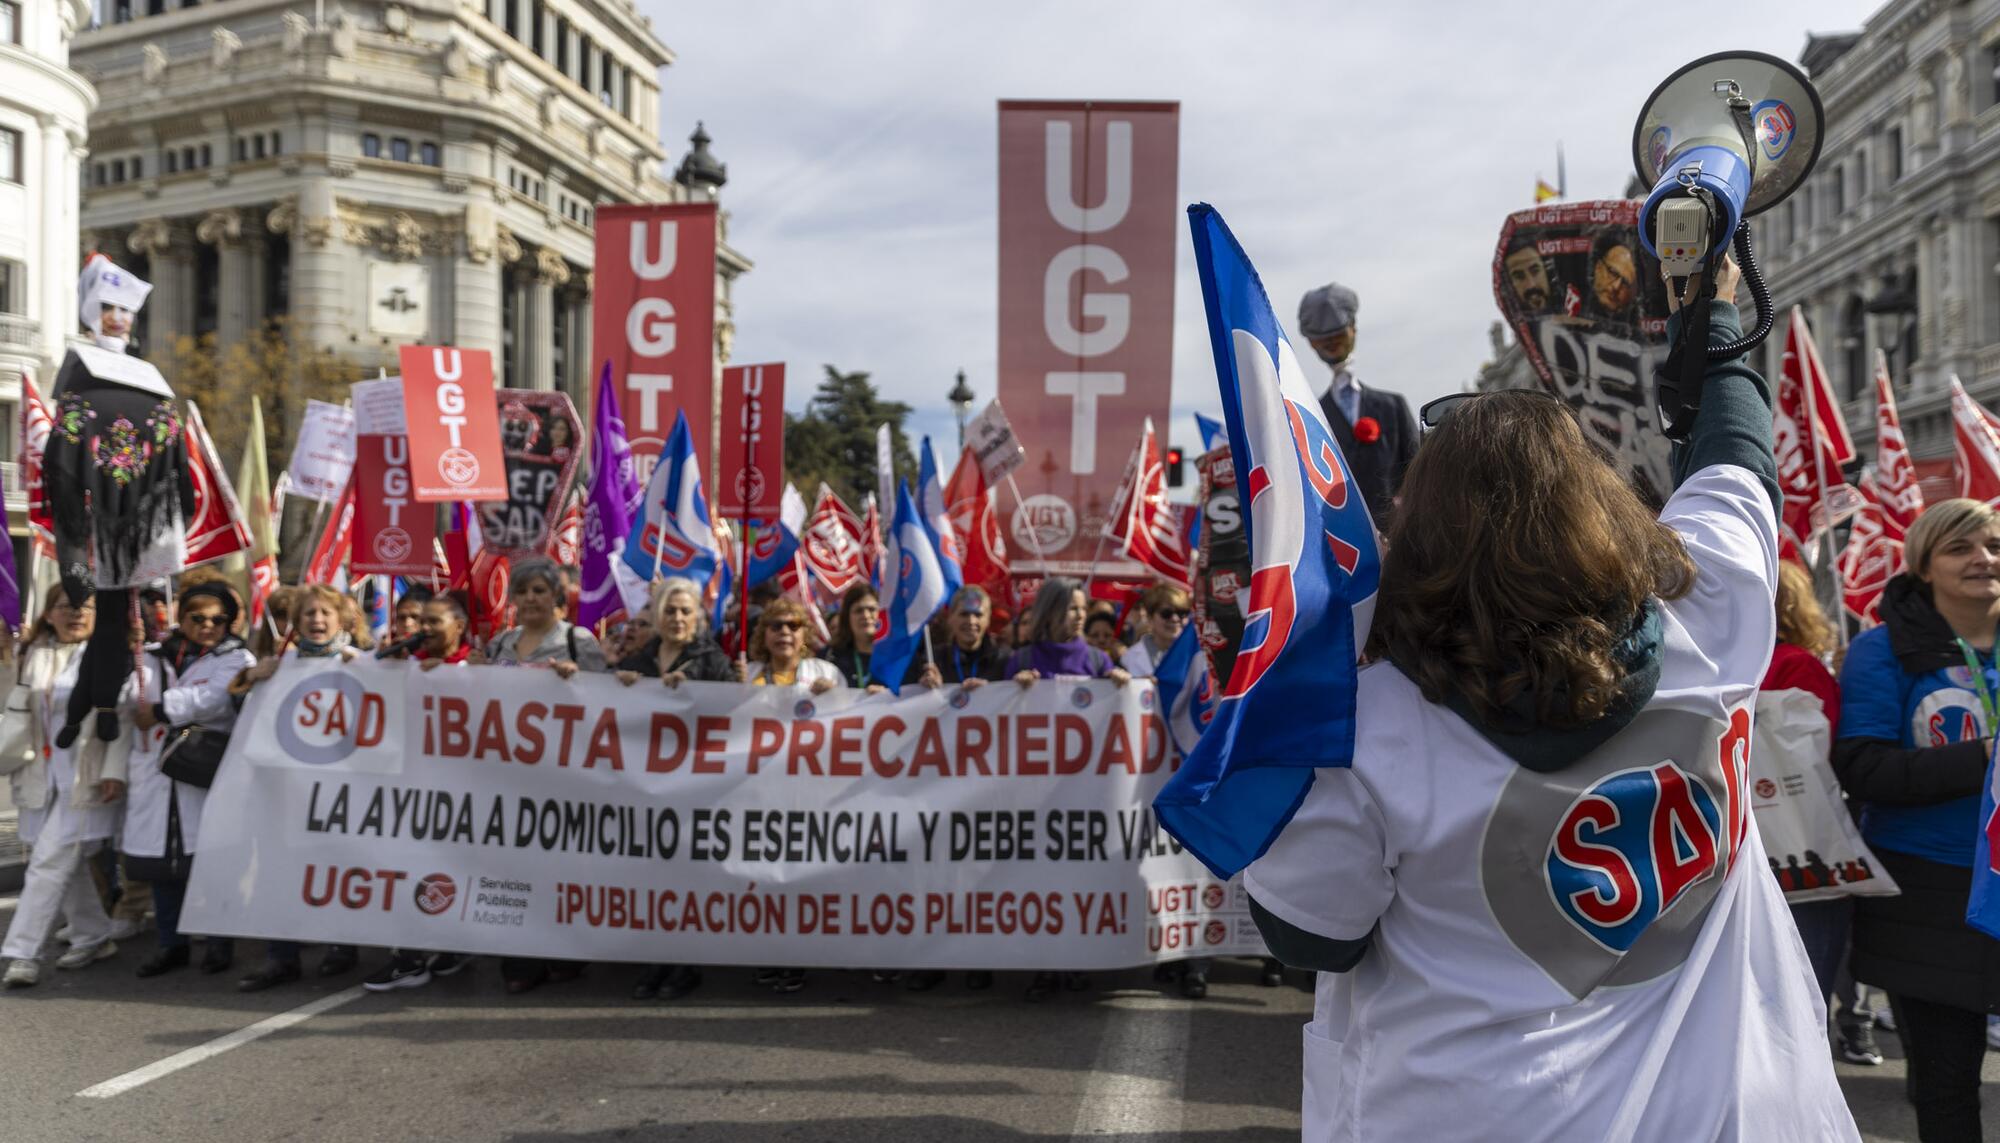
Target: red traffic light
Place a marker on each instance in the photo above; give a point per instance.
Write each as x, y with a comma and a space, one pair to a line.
1176, 470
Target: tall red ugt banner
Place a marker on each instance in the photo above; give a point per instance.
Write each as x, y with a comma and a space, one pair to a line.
1089, 216
653, 320
1809, 431
751, 480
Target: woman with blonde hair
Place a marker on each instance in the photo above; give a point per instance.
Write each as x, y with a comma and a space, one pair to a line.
1917, 717
1533, 896
778, 646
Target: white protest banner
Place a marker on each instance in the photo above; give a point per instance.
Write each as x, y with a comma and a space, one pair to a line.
324, 456
505, 811
991, 439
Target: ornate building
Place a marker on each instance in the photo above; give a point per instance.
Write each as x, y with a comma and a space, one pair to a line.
382, 173
1893, 243
44, 113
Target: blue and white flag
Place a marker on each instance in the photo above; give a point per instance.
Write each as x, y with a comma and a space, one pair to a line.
916, 581
772, 550
1186, 690
930, 501
1288, 705
1211, 432
672, 535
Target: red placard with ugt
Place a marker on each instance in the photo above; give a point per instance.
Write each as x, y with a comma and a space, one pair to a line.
653, 320
752, 450
454, 425
393, 534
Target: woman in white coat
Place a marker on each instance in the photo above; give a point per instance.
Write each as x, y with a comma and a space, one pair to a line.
186, 684
69, 801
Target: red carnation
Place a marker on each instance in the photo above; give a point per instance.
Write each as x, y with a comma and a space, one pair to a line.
1368, 430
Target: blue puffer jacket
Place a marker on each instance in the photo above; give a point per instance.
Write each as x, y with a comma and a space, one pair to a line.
1911, 722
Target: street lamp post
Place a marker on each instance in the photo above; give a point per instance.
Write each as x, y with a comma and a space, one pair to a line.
961, 397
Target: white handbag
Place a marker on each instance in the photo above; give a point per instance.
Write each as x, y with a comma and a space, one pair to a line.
18, 745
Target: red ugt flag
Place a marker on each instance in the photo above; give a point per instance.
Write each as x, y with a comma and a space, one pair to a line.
1897, 493
1145, 527
976, 520
1976, 439
1808, 427
1870, 558
831, 546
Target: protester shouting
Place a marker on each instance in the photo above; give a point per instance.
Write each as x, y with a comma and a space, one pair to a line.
1917, 718
444, 626
69, 799
853, 646
1505, 947
188, 680
315, 633
681, 651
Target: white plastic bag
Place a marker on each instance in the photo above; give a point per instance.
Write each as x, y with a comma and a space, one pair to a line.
1816, 852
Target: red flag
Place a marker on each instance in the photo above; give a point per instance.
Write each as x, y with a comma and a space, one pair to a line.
1808, 425
1146, 527
831, 545
330, 554
36, 422
976, 519
263, 581
1870, 558
1976, 439
872, 546
566, 538
217, 529
796, 582
1896, 494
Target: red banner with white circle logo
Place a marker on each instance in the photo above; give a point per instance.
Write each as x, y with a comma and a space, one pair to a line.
393, 532
453, 423
751, 479
653, 320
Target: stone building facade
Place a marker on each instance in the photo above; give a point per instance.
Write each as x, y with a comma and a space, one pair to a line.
382, 173
44, 116
1894, 242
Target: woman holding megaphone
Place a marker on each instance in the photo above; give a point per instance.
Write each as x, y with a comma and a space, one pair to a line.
1535, 896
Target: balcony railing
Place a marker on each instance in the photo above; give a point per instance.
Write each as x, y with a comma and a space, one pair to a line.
19, 332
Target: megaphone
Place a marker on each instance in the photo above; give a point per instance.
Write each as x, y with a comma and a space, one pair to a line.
1725, 137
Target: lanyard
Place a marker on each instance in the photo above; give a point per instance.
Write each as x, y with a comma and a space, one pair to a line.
1987, 700
957, 664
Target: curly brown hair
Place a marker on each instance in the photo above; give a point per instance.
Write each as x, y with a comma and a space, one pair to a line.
783, 609
1517, 562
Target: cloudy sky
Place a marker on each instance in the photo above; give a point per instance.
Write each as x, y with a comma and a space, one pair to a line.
1377, 145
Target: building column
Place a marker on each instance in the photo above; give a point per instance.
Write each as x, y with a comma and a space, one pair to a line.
478, 271
169, 312
318, 301
538, 353
54, 307
223, 229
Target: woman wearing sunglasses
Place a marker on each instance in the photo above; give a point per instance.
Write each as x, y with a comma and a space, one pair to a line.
187, 678
1534, 896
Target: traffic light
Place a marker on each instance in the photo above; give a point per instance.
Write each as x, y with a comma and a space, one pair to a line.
1176, 471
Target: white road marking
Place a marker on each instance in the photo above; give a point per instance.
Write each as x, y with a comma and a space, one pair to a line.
119, 1085
1136, 1082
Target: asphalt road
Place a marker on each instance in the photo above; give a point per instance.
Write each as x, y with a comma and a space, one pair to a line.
848, 1059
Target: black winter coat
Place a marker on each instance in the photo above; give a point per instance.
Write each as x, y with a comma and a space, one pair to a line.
702, 661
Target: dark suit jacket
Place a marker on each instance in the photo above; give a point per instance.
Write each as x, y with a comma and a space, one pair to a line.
1378, 467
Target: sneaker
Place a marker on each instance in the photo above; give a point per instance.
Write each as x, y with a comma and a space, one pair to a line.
766, 977
446, 964
125, 928
83, 956
64, 934
1194, 985
1857, 1046
397, 974
1885, 1018
790, 980
1274, 973
22, 973
163, 961
339, 959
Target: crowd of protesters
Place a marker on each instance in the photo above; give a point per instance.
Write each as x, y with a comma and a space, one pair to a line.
112, 838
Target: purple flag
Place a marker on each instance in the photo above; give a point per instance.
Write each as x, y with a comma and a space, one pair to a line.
614, 500
10, 586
